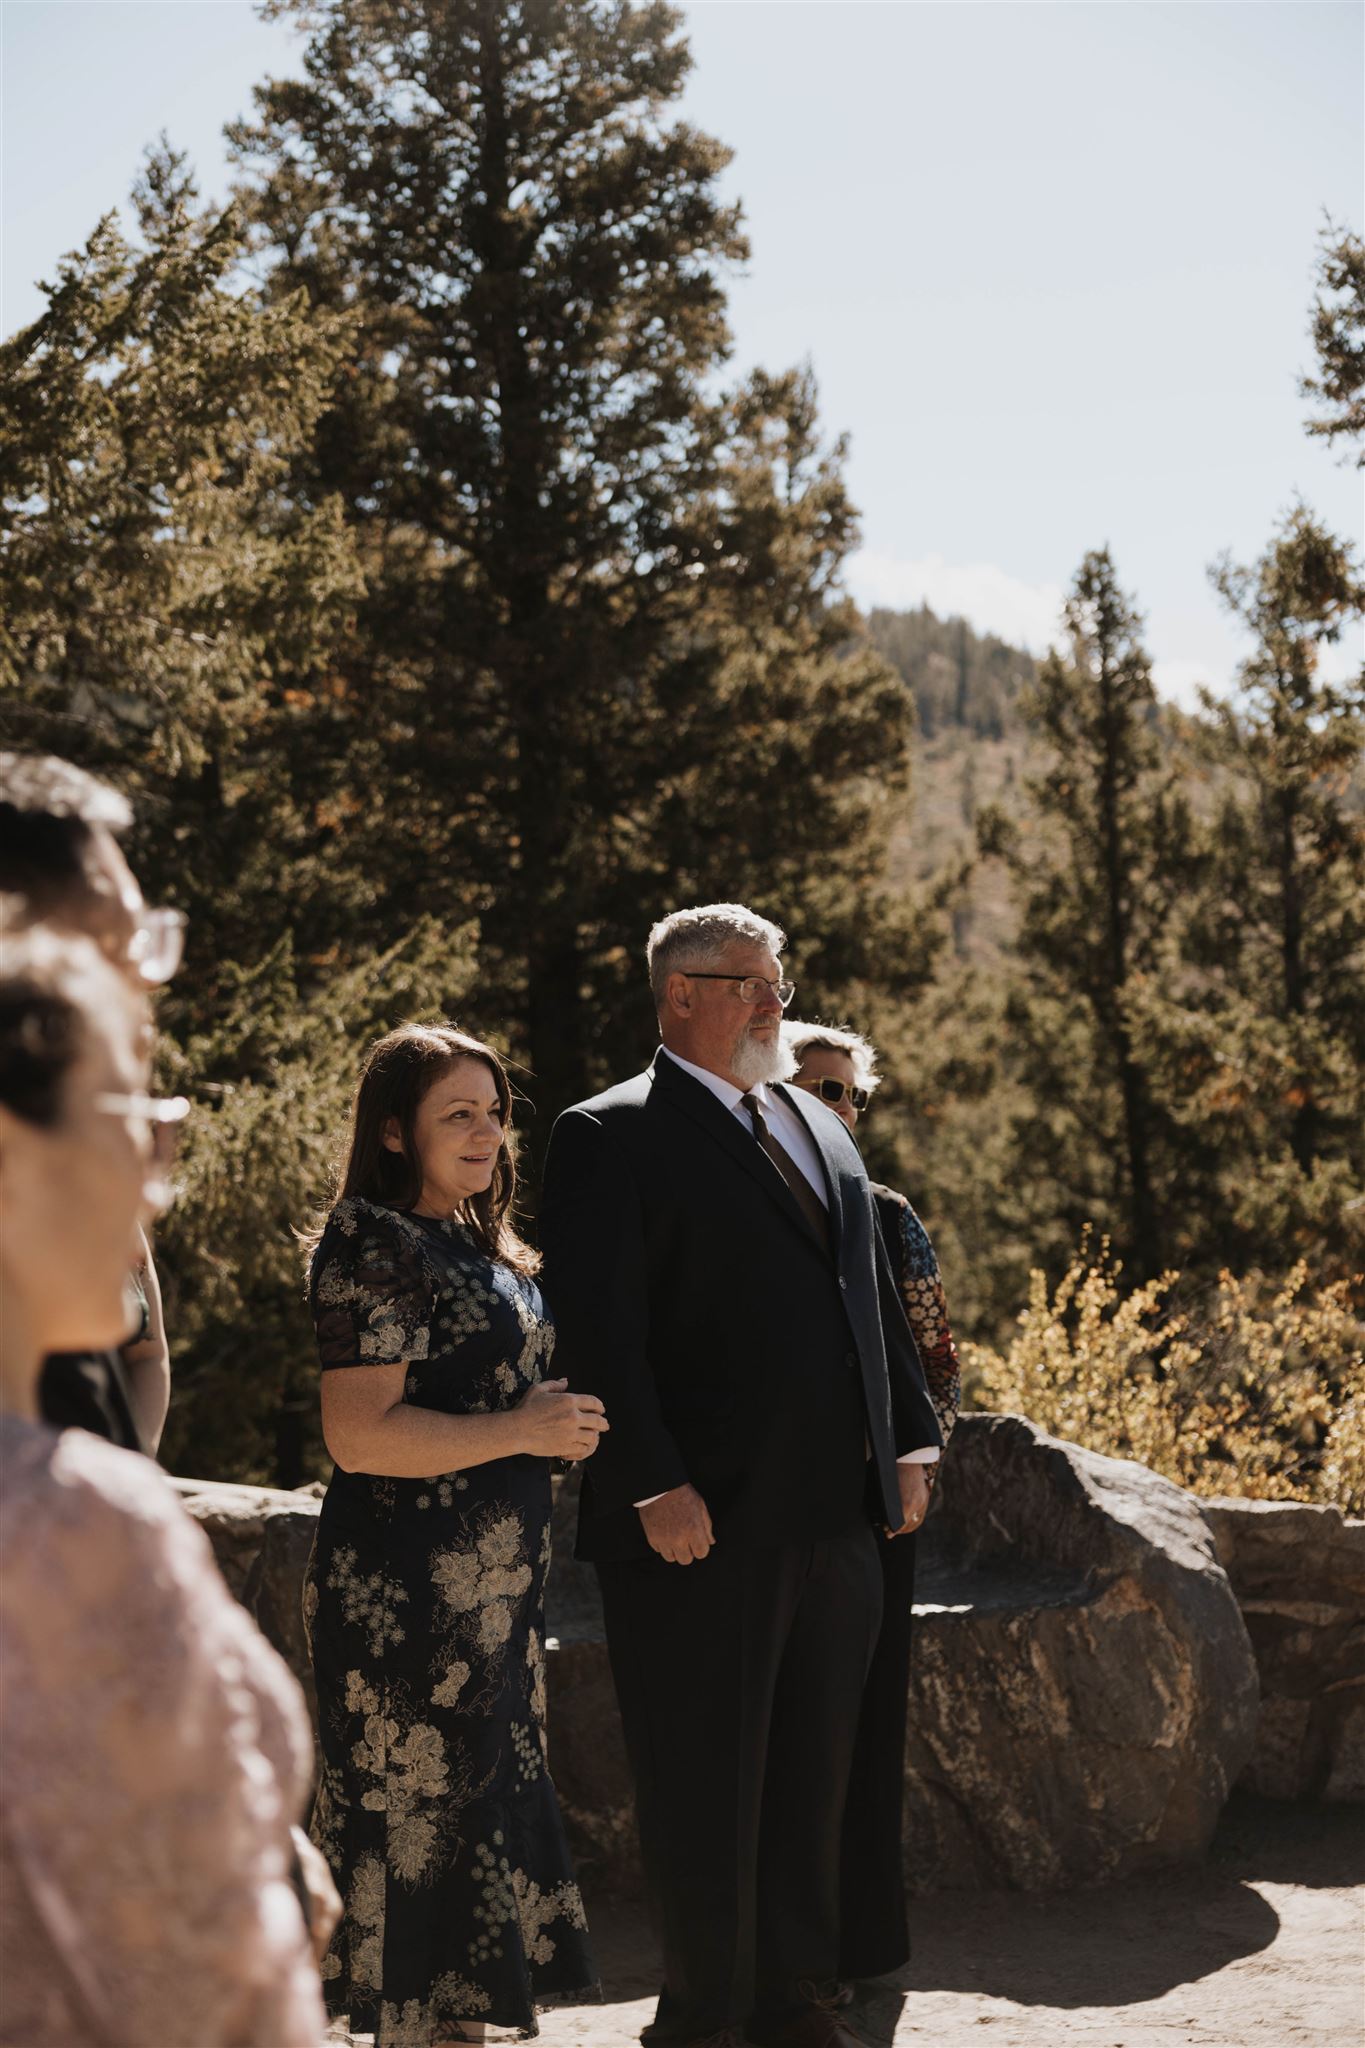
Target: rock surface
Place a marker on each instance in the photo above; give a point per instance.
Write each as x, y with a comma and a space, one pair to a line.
1299, 1576
587, 1747
262, 1537
1083, 1692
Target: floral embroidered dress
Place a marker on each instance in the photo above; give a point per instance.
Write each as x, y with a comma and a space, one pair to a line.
425, 1601
915, 1265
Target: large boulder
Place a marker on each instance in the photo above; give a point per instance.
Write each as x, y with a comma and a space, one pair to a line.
262, 1537
1084, 1691
1299, 1576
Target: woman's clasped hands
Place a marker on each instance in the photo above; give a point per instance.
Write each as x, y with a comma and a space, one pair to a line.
558, 1424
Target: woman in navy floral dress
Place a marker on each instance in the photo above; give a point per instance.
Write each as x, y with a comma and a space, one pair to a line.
841, 1068
425, 1596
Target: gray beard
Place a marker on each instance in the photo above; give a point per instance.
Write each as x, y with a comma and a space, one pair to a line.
754, 1062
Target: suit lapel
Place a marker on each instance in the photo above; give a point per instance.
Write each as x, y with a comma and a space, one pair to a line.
710, 1114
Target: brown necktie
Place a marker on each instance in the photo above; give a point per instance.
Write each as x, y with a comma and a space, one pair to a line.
812, 1208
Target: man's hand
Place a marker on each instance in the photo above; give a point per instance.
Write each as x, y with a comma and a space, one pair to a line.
914, 1487
678, 1525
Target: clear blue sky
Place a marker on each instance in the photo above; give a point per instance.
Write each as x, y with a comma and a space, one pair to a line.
1052, 263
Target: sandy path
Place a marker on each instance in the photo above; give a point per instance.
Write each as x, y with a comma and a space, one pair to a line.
1265, 1943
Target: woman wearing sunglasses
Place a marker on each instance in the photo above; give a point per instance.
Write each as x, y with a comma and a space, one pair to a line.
840, 1069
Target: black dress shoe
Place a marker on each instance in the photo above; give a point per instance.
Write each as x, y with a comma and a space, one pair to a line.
814, 2024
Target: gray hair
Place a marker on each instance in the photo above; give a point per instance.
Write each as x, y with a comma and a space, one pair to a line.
801, 1039
700, 937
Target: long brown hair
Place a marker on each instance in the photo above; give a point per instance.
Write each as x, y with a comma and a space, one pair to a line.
398, 1071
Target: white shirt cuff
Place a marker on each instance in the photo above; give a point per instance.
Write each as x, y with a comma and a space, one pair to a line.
647, 1503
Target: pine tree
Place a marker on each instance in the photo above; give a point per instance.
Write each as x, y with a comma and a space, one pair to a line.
171, 619
1096, 883
1339, 337
1272, 1035
600, 629
165, 610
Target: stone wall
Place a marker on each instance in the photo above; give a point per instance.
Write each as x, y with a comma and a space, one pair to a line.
262, 1538
1299, 1576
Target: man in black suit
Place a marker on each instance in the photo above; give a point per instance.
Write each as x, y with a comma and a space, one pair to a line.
717, 1277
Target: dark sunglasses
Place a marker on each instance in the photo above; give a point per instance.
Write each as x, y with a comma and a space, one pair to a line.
832, 1091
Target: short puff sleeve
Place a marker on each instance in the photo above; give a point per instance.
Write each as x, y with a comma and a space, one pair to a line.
372, 1295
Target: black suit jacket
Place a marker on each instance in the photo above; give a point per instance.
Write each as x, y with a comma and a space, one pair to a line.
729, 1347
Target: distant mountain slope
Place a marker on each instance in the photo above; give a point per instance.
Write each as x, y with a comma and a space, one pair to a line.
974, 749
959, 678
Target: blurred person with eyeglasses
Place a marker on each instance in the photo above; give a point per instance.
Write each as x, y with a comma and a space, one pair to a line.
154, 1750
839, 1068
61, 866
718, 1277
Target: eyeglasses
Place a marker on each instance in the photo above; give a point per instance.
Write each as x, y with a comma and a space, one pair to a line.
749, 985
160, 1117
158, 944
832, 1091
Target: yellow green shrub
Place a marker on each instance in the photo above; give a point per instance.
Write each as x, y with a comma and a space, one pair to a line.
1256, 1389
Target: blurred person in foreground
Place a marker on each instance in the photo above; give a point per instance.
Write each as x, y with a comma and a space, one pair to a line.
839, 1068
714, 1260
153, 1749
61, 866
425, 1597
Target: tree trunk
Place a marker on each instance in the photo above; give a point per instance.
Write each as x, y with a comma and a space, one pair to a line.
1303, 1127
1132, 1087
533, 657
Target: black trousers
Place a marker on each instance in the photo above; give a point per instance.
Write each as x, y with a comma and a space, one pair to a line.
740, 1681
874, 1934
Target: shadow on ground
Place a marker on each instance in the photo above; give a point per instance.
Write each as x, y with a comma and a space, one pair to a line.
1128, 1943
1058, 1966
1276, 1843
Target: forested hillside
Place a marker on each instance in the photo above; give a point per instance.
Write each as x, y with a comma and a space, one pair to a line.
961, 681
972, 750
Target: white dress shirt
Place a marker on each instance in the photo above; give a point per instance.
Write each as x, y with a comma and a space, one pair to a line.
791, 1134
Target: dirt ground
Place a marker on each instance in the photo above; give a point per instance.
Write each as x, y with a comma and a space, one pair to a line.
1263, 1944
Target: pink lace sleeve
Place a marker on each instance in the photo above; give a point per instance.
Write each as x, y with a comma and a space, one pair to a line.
155, 1752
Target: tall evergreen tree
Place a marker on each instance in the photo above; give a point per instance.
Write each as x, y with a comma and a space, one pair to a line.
1096, 882
1339, 337
166, 610
1271, 1037
598, 588
172, 618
